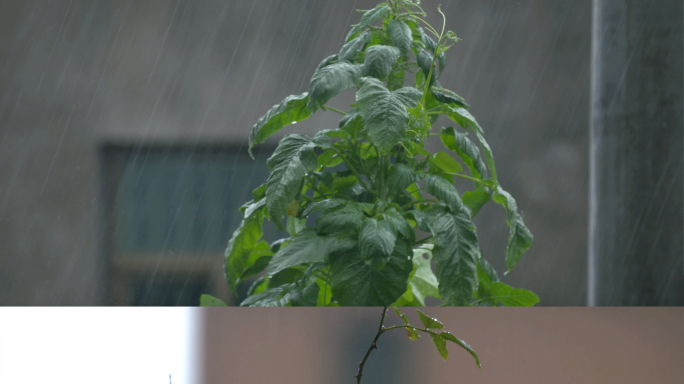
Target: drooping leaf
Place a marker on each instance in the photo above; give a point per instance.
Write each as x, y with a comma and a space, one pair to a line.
327, 61
349, 49
376, 241
243, 241
429, 322
456, 253
440, 343
347, 219
291, 110
427, 40
257, 261
384, 114
450, 337
444, 191
331, 80
424, 59
306, 247
354, 283
446, 98
475, 200
211, 301
512, 297
369, 17
519, 238
400, 33
423, 282
466, 150
292, 159
489, 158
379, 60
463, 118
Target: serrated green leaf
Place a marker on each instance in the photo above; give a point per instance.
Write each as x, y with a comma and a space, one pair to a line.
519, 238
429, 322
441, 346
409, 96
243, 241
290, 162
331, 80
354, 283
456, 253
399, 223
292, 294
352, 123
384, 115
291, 110
466, 150
400, 34
444, 191
347, 219
306, 247
400, 177
450, 337
369, 17
211, 301
378, 60
475, 200
323, 204
376, 241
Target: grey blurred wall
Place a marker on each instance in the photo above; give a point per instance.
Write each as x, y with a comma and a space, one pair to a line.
78, 74
515, 345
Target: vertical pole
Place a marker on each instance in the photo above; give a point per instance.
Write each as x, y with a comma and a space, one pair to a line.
636, 179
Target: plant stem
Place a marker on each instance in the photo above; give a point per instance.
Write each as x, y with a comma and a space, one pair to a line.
381, 329
420, 201
351, 168
465, 177
327, 107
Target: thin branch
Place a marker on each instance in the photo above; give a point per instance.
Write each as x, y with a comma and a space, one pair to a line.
373, 345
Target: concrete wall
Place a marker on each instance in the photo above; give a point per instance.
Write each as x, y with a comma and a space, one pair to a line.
77, 74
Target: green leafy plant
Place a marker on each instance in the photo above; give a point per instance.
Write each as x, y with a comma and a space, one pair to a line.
387, 208
430, 326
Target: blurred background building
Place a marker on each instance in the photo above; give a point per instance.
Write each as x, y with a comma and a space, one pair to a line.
123, 127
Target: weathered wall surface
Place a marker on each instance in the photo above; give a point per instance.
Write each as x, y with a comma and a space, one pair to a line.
75, 75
